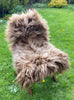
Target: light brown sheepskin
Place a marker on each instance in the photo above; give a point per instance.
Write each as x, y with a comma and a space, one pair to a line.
34, 57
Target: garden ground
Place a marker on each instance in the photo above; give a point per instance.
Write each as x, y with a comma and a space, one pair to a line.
61, 23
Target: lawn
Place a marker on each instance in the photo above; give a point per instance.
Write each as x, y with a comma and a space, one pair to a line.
61, 23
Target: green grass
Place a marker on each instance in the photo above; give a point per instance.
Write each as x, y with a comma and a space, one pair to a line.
61, 23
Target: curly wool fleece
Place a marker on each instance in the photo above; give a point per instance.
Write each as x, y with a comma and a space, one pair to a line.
34, 57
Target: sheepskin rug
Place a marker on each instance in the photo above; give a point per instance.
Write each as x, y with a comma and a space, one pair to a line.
34, 57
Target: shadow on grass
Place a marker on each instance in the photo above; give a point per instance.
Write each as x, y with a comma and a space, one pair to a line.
48, 90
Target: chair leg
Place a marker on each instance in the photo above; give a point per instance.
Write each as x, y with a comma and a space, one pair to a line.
30, 91
15, 73
54, 78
